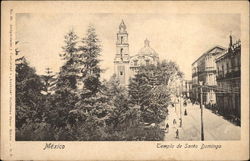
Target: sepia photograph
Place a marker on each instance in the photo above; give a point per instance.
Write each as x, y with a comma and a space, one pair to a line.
127, 77
117, 80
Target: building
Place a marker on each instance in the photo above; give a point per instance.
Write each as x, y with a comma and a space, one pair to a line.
186, 88
228, 80
194, 95
126, 66
204, 70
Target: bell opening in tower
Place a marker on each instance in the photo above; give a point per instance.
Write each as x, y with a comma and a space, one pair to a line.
121, 51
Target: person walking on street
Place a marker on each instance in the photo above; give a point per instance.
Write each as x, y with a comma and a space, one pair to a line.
167, 128
177, 134
185, 112
185, 103
180, 122
174, 121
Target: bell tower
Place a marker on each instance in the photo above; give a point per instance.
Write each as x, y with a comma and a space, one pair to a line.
121, 61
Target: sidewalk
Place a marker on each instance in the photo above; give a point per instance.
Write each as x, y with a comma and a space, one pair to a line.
171, 135
215, 127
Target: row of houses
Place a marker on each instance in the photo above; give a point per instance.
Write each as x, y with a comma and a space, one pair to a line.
219, 71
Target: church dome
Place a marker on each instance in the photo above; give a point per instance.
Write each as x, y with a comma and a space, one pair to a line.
147, 50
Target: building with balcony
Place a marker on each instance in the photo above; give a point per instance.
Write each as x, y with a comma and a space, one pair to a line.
228, 80
204, 70
194, 94
186, 88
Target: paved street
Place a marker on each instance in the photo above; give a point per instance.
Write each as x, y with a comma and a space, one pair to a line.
215, 127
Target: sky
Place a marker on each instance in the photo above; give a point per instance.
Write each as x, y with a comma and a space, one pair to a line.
178, 37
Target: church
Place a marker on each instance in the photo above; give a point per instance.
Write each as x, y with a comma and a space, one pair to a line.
126, 66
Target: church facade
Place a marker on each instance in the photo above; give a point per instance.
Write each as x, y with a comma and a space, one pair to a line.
126, 66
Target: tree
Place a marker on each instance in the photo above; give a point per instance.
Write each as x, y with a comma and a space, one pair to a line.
49, 81
29, 99
89, 53
88, 118
28, 93
69, 72
139, 88
118, 99
156, 111
171, 74
149, 89
65, 97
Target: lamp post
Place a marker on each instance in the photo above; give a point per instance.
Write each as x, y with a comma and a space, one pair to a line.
180, 104
201, 106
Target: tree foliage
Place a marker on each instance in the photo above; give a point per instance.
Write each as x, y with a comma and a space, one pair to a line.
149, 90
28, 88
67, 78
89, 53
75, 104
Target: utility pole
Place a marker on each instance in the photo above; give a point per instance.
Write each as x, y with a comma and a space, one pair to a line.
175, 98
180, 108
180, 104
201, 106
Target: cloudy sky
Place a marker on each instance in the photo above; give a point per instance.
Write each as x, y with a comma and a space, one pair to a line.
178, 37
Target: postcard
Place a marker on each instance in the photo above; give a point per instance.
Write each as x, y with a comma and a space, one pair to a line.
117, 80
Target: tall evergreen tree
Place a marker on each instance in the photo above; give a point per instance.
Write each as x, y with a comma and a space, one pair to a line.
65, 97
49, 81
139, 89
28, 93
90, 53
29, 100
118, 98
91, 110
68, 74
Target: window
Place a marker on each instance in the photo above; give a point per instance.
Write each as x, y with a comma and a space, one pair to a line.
222, 70
213, 79
121, 73
225, 68
135, 62
121, 51
121, 39
235, 62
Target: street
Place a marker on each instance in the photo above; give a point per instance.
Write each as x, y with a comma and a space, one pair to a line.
215, 127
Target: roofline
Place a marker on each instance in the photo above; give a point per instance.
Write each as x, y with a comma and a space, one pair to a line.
221, 57
217, 46
224, 55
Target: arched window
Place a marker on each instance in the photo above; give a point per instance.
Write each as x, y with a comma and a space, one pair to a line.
121, 51
121, 39
135, 62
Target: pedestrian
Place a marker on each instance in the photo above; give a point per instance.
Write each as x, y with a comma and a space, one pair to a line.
185, 112
177, 134
180, 122
174, 121
185, 104
167, 128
